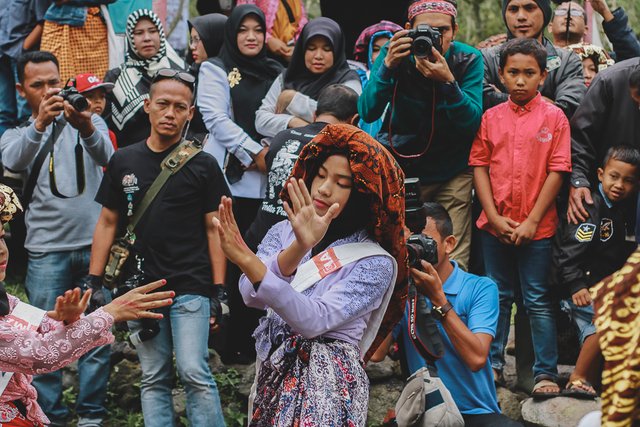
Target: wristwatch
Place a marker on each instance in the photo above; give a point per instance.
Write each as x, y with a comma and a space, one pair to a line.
440, 312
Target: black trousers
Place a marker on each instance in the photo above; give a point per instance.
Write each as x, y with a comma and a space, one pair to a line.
489, 420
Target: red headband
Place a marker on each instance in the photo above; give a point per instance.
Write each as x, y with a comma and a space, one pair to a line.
432, 6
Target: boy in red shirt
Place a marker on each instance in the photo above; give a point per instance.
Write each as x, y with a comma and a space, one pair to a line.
520, 154
95, 90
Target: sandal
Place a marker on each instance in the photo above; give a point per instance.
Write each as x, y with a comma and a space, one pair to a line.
580, 389
544, 381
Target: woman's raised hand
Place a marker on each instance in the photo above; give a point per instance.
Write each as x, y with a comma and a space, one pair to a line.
308, 227
138, 303
231, 241
70, 306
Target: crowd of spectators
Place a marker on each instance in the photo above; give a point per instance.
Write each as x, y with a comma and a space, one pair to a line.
526, 149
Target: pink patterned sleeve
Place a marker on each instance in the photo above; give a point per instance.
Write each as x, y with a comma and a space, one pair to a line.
53, 345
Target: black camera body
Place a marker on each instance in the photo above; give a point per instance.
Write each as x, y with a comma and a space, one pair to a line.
75, 98
424, 38
421, 247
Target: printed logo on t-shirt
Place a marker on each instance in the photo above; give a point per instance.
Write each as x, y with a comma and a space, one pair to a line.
130, 186
281, 168
544, 135
585, 231
606, 229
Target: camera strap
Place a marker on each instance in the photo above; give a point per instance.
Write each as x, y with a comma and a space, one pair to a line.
433, 128
422, 328
79, 157
56, 131
171, 164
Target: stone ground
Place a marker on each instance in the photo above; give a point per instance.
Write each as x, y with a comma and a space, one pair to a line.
234, 382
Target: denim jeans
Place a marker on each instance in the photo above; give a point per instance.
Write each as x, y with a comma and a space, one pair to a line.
50, 274
184, 331
13, 108
525, 267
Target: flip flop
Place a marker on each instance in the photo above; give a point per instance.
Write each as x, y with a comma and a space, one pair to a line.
540, 395
576, 389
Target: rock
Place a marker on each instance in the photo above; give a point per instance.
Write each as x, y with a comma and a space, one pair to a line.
382, 397
557, 412
124, 385
179, 402
510, 403
215, 363
247, 375
381, 371
121, 350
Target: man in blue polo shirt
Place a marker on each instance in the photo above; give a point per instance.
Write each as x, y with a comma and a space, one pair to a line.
469, 314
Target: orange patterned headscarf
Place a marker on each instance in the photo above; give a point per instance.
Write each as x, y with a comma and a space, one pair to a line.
375, 173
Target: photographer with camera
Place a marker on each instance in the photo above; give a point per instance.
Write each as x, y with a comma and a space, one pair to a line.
173, 239
465, 307
434, 87
60, 211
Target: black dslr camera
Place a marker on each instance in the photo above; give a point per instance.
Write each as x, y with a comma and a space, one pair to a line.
71, 94
419, 246
424, 38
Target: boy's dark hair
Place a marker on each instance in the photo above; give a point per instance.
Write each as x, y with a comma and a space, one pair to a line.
338, 100
526, 47
634, 79
36, 57
623, 153
453, 19
444, 225
156, 81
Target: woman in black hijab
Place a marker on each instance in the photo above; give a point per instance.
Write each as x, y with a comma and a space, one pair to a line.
206, 35
318, 60
231, 88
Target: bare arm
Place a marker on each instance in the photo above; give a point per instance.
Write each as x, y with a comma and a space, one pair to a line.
216, 255
33, 39
382, 351
103, 237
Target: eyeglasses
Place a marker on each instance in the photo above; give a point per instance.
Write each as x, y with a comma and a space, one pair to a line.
195, 41
573, 12
170, 73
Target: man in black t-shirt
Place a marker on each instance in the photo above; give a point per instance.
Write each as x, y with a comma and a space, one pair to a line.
177, 242
336, 104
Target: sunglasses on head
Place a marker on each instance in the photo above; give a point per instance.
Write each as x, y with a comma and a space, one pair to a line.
573, 12
170, 73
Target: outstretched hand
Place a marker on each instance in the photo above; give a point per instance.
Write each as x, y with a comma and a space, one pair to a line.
308, 226
138, 303
70, 306
231, 241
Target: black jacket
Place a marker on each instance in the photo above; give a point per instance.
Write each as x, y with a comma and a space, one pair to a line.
606, 117
586, 253
564, 84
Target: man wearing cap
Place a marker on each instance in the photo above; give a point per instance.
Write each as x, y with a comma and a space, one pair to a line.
564, 85
60, 215
436, 107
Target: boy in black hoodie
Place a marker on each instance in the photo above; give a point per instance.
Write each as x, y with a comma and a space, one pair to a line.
586, 253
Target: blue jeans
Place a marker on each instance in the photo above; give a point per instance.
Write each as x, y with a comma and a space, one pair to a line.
525, 267
13, 108
183, 330
50, 274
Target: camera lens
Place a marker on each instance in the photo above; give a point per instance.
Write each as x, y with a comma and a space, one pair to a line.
78, 102
415, 253
422, 47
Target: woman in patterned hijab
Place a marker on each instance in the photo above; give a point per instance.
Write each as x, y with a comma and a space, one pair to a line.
333, 277
147, 52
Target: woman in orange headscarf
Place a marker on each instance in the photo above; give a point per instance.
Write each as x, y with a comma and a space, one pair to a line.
333, 277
